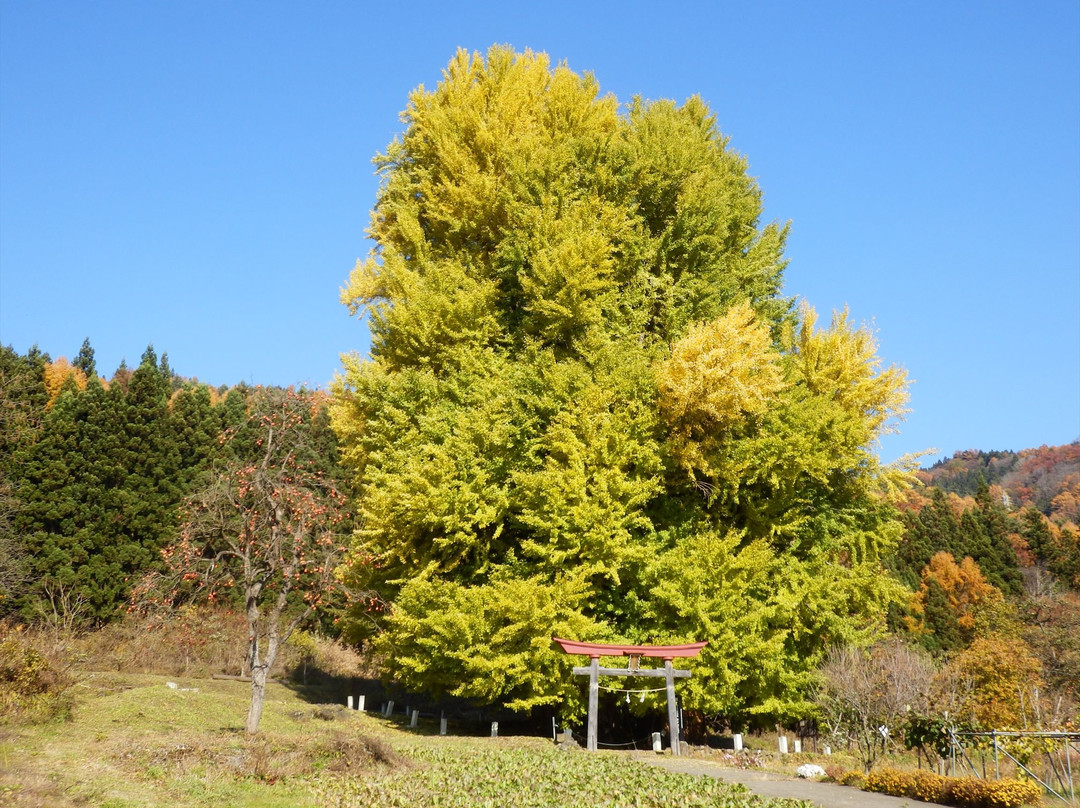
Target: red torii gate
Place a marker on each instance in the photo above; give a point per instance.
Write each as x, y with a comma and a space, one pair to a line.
665, 652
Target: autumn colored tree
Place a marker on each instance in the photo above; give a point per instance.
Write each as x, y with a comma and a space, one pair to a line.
584, 379
61, 373
1052, 631
1001, 677
950, 600
266, 529
1065, 506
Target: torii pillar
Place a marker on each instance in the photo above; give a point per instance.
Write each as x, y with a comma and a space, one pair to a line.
665, 652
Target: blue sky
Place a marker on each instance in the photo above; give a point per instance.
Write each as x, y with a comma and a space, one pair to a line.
197, 175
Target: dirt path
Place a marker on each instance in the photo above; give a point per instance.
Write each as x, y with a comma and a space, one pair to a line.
767, 784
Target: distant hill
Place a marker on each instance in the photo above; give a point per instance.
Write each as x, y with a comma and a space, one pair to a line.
1047, 478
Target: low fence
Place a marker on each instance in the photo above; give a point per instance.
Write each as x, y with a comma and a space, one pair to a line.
1046, 757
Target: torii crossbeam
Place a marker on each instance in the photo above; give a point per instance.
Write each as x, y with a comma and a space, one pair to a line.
665, 652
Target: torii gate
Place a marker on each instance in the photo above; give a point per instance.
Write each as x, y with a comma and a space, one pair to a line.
665, 652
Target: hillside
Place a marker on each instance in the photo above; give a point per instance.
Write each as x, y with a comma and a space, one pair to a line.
1046, 478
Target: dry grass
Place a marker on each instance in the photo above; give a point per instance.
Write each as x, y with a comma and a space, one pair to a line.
203, 640
134, 741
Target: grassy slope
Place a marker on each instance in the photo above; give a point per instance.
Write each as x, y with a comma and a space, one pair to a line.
134, 741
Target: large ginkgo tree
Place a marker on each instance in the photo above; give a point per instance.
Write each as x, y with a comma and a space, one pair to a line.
589, 410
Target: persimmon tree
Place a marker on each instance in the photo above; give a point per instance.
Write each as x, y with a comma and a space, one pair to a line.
265, 530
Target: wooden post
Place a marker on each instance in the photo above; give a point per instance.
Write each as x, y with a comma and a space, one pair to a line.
594, 701
360, 702
349, 702
666, 652
672, 713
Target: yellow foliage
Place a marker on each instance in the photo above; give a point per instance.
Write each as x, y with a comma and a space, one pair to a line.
841, 363
1001, 675
722, 372
965, 792
58, 372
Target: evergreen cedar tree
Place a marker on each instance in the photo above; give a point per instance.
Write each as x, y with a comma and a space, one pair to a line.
100, 484
590, 412
94, 473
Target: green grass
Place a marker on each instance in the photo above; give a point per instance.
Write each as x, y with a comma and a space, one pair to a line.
134, 742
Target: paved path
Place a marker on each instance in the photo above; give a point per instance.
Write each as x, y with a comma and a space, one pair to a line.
767, 784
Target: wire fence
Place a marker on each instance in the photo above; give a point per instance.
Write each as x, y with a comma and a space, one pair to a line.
1046, 757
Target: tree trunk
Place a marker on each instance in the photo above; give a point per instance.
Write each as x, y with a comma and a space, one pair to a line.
260, 674
258, 697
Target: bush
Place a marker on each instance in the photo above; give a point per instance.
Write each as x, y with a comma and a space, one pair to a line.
963, 792
853, 778
34, 682
968, 792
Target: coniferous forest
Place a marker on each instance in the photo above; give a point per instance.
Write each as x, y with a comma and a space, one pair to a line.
96, 471
588, 412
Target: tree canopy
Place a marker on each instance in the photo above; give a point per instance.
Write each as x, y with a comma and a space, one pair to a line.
590, 409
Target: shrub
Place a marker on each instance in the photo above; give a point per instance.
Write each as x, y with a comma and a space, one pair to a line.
963, 792
926, 786
969, 792
34, 682
332, 658
202, 640
887, 781
853, 778
834, 772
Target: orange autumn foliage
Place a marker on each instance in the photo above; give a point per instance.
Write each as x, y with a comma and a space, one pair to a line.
57, 373
964, 585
